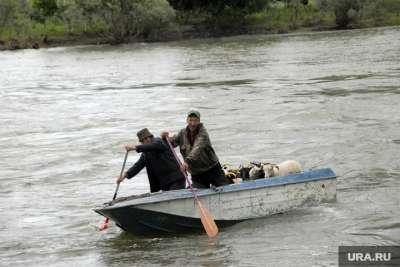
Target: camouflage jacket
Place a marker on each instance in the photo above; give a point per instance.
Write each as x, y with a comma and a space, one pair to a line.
200, 156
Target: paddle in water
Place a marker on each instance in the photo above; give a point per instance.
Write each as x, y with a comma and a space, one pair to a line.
105, 224
205, 216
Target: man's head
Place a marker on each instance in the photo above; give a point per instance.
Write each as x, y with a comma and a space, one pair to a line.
145, 136
193, 119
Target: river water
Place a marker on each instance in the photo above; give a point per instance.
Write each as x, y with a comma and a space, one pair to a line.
325, 99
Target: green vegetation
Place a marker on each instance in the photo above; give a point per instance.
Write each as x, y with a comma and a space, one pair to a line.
24, 23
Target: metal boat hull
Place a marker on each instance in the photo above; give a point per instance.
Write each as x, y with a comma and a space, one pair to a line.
176, 211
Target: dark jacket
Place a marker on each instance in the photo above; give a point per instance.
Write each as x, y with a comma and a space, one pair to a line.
161, 166
198, 154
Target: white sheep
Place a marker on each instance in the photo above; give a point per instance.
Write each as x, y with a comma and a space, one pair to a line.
281, 169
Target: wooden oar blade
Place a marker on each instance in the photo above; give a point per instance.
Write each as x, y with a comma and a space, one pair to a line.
207, 220
205, 216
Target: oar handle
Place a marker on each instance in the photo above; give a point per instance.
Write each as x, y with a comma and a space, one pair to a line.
105, 224
116, 192
122, 171
180, 164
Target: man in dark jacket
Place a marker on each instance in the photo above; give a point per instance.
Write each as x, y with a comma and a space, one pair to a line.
162, 168
198, 154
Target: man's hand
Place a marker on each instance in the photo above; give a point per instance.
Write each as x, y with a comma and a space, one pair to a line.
121, 178
164, 134
130, 147
184, 167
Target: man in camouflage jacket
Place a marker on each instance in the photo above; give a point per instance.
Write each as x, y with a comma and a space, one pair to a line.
198, 154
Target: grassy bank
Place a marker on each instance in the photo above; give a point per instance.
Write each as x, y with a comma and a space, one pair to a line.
48, 34
44, 23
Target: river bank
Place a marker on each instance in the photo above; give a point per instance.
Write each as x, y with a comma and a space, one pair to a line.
186, 33
183, 34
29, 25
17, 44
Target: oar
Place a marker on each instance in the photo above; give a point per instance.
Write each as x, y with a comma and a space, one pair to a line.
105, 224
205, 216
